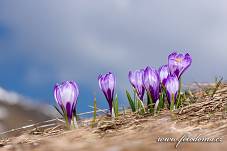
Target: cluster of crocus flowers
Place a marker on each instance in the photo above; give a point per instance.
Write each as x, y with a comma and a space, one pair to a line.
158, 84
166, 80
66, 95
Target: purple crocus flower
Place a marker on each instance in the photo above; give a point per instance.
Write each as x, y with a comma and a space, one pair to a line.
151, 82
66, 95
178, 63
107, 84
163, 73
172, 87
136, 79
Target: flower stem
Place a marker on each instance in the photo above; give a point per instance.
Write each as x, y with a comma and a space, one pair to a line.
65, 117
179, 93
172, 102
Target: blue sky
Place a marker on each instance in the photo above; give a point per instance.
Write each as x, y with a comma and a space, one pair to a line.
44, 42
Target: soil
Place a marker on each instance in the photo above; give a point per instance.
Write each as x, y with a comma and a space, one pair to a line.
203, 114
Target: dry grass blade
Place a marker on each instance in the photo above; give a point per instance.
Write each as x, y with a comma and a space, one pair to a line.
206, 108
218, 84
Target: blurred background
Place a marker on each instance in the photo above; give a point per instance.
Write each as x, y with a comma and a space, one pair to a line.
47, 41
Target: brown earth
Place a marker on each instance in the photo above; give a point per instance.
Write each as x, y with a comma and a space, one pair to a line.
203, 113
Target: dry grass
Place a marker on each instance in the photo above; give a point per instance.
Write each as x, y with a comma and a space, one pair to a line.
203, 112
206, 108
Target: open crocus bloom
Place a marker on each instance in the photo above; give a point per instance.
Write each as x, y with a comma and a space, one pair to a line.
151, 82
163, 73
107, 84
136, 79
178, 63
172, 88
66, 95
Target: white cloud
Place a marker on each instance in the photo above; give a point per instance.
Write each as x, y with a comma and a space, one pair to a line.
13, 98
9, 97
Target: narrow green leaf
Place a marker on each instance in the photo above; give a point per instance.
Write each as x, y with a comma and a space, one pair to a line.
131, 102
135, 100
95, 112
178, 101
160, 105
58, 110
172, 103
180, 85
76, 115
150, 105
162, 100
116, 106
66, 118
149, 99
141, 107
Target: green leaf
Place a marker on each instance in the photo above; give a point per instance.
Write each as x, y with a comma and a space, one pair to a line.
141, 107
66, 118
58, 110
161, 100
172, 103
150, 103
178, 101
76, 115
149, 99
116, 106
135, 99
160, 105
95, 112
131, 102
180, 85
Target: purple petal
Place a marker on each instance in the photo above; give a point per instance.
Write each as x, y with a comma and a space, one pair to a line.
111, 81
57, 94
68, 93
172, 87
69, 111
136, 79
132, 78
163, 73
151, 82
178, 63
74, 84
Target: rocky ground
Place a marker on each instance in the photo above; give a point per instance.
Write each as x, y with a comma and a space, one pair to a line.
204, 114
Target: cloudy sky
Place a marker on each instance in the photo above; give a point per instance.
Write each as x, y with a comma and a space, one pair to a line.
47, 41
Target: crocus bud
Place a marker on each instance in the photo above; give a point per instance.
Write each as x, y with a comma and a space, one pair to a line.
66, 95
151, 83
136, 79
107, 84
163, 73
178, 63
172, 88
